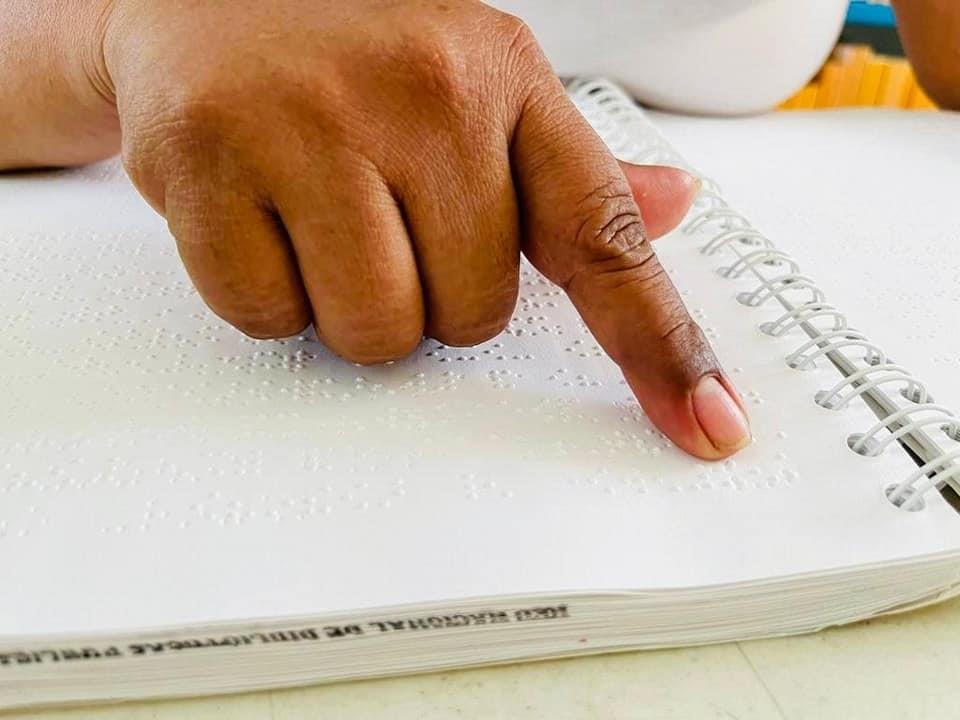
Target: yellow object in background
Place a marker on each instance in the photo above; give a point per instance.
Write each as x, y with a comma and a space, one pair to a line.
855, 76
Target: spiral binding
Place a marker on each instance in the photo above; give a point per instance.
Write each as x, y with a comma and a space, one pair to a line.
803, 359
620, 122
872, 376
768, 256
771, 288
873, 443
804, 314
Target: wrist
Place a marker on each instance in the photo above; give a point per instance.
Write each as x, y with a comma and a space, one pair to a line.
82, 36
56, 100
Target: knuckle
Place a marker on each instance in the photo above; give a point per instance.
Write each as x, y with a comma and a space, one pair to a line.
449, 67
523, 66
265, 326
476, 315
183, 142
179, 136
517, 29
197, 115
610, 240
375, 341
262, 310
517, 38
181, 125
610, 222
364, 351
472, 332
440, 66
683, 331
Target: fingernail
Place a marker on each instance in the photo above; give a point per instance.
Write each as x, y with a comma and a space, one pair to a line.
720, 416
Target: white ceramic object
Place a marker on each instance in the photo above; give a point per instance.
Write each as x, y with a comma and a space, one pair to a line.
724, 57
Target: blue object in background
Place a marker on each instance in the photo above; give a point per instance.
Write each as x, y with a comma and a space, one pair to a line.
871, 13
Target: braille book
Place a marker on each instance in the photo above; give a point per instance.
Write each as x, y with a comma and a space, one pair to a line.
184, 510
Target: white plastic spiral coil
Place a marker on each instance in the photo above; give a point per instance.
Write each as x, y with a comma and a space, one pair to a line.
872, 376
803, 359
773, 287
768, 256
631, 136
873, 442
806, 313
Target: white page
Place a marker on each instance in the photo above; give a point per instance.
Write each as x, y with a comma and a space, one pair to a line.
158, 468
873, 190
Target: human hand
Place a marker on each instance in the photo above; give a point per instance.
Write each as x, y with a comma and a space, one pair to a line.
376, 167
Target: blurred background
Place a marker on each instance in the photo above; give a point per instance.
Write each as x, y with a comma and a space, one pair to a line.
740, 57
867, 67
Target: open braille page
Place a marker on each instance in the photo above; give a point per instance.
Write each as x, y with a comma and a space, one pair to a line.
864, 200
158, 468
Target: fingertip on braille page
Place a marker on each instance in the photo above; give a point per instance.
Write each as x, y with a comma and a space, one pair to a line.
720, 415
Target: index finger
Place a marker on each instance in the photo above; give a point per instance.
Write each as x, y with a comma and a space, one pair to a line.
584, 231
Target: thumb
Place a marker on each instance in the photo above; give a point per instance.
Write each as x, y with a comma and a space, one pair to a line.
664, 195
583, 230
